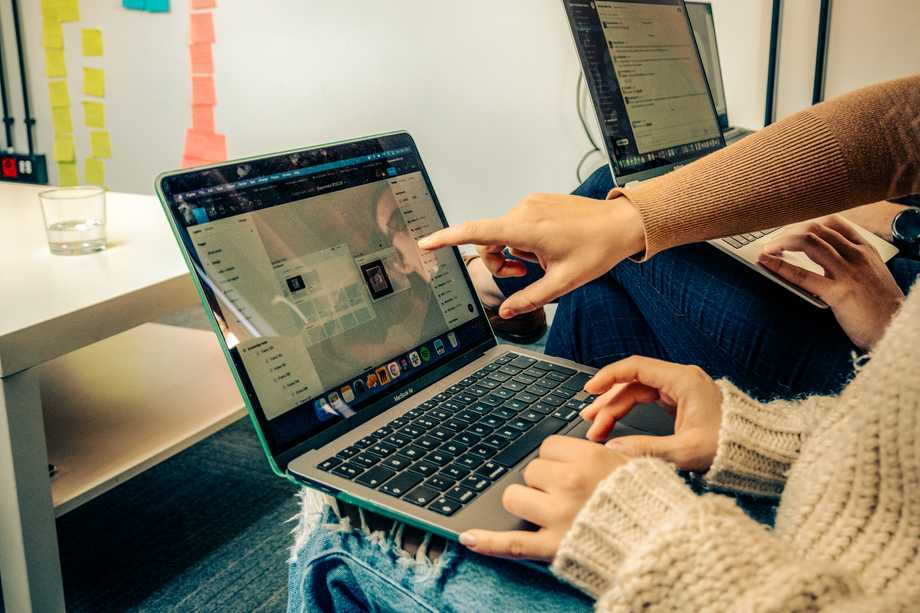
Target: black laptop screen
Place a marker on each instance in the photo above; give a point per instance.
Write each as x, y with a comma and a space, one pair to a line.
648, 85
310, 266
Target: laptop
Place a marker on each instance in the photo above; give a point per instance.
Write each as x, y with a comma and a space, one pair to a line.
704, 31
655, 108
368, 368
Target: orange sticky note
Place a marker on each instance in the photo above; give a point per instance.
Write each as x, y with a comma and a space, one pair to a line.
202, 58
208, 146
203, 117
203, 4
188, 162
203, 90
201, 28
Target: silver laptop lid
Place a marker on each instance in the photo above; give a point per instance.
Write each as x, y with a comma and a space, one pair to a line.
647, 83
704, 31
308, 262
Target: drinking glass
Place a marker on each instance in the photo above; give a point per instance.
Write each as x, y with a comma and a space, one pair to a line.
74, 219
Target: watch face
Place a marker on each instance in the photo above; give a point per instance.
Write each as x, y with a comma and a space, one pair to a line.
907, 226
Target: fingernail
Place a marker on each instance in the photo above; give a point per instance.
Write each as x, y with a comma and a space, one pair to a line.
467, 539
507, 313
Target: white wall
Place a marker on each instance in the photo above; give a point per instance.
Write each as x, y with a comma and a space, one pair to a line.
485, 86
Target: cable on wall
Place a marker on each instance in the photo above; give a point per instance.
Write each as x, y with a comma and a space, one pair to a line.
581, 93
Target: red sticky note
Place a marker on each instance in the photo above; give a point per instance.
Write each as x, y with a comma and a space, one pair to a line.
188, 162
202, 58
203, 145
203, 90
203, 117
201, 28
203, 4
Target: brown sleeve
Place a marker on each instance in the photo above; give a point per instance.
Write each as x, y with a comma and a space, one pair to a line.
852, 150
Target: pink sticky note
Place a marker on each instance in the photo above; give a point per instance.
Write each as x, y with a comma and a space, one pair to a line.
203, 117
203, 90
202, 58
203, 145
203, 4
201, 28
188, 162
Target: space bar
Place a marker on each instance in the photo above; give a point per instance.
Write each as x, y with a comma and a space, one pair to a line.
518, 450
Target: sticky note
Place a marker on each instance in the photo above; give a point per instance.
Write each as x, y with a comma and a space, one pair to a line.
203, 4
67, 172
201, 28
55, 66
61, 119
203, 117
94, 114
188, 162
63, 148
92, 41
94, 171
137, 5
202, 58
68, 10
208, 146
57, 92
99, 144
203, 90
158, 6
51, 9
52, 34
94, 82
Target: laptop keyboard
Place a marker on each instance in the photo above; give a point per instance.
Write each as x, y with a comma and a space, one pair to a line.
444, 453
740, 240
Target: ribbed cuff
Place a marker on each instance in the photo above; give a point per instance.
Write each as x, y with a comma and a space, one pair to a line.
624, 509
757, 443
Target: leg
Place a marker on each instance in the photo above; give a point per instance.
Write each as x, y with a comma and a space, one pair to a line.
29, 563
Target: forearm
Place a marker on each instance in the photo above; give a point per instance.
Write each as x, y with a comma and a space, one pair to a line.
847, 152
876, 217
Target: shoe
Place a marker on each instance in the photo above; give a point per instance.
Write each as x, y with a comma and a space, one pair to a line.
522, 329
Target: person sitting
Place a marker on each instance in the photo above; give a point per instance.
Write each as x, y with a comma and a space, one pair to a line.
628, 532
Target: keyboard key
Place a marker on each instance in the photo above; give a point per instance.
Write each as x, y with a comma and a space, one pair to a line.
445, 506
546, 383
497, 441
519, 449
382, 449
491, 400
440, 482
399, 422
451, 406
479, 408
522, 362
469, 461
348, 452
475, 483
483, 451
329, 464
509, 433
513, 386
365, 459
540, 389
491, 470
375, 476
460, 494
426, 423
506, 358
540, 366
498, 376
439, 434
412, 431
519, 424
439, 414
566, 414
455, 472
456, 425
505, 393
348, 471
422, 495
552, 400
480, 429
452, 448
440, 397
412, 452
489, 384
438, 457
577, 382
427, 442
381, 432
564, 393
467, 416
527, 397
557, 376
515, 405
543, 408
465, 399
397, 462
504, 413
454, 389
397, 440
533, 416
400, 484
424, 468
491, 421
367, 441
564, 370
467, 438
509, 370
477, 390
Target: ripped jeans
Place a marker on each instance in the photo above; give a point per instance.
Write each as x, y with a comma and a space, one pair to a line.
336, 565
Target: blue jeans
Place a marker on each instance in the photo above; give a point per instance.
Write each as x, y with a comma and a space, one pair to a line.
695, 305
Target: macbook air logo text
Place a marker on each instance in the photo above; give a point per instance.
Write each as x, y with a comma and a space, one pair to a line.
403, 394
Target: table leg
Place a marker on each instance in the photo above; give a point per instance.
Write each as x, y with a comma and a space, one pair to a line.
29, 564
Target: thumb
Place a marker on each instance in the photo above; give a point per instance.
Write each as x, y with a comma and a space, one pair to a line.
548, 288
665, 447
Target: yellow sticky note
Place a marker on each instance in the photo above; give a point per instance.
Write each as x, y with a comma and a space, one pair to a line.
92, 41
63, 148
51, 10
94, 82
94, 112
68, 10
94, 171
57, 92
62, 121
52, 34
68, 174
55, 66
99, 144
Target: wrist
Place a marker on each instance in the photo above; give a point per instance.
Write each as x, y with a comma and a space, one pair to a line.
627, 222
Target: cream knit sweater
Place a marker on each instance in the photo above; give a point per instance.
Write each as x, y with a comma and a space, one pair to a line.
847, 531
847, 469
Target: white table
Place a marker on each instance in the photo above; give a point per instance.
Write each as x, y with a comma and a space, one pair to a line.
83, 384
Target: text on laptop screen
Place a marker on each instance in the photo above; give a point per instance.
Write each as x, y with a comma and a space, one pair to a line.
645, 76
318, 285
704, 30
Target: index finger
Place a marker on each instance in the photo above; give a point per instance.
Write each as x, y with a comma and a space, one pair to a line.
648, 371
482, 232
514, 544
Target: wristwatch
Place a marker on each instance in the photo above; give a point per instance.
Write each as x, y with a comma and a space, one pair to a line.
905, 229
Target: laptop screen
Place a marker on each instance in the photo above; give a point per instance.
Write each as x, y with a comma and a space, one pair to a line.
704, 30
647, 82
310, 266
